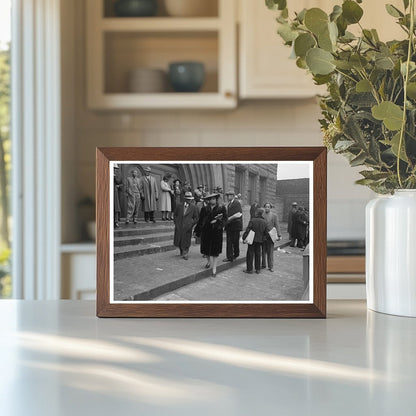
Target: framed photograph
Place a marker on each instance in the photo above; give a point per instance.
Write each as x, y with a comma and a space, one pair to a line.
211, 232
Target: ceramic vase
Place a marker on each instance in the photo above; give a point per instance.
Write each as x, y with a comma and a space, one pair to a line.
391, 253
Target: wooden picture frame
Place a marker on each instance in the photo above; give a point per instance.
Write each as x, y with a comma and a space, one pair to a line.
315, 307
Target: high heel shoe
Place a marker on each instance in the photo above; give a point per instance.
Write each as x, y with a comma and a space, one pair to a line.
207, 266
214, 274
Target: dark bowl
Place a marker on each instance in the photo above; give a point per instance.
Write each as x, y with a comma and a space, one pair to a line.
135, 8
186, 76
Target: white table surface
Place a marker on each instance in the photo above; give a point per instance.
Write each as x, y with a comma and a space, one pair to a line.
57, 358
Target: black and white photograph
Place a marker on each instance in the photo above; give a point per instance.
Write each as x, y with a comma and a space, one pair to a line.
211, 232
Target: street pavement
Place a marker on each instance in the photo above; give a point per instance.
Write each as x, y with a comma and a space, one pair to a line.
284, 283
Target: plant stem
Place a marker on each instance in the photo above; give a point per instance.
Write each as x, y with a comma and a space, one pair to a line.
405, 81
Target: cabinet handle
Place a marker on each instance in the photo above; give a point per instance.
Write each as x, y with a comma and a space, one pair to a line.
229, 94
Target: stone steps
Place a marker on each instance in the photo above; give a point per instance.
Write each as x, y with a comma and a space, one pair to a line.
141, 231
133, 240
143, 249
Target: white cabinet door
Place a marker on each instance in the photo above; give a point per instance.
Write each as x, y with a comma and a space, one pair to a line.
265, 68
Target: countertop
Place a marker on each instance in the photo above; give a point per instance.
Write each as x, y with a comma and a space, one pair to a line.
57, 358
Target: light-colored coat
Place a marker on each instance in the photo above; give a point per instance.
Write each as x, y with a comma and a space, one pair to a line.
149, 192
165, 197
272, 221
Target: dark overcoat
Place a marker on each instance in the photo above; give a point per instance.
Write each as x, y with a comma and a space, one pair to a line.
149, 193
260, 228
118, 183
290, 221
211, 234
300, 225
184, 224
237, 223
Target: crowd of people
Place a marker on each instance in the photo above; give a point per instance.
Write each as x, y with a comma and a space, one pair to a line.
206, 215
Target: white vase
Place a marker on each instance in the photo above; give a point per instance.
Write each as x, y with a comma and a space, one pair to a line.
391, 253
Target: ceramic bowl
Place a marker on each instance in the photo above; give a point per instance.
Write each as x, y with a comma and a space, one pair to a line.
147, 80
186, 76
135, 8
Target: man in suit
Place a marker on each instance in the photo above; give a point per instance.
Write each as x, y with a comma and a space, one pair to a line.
186, 216
149, 193
268, 245
233, 226
133, 196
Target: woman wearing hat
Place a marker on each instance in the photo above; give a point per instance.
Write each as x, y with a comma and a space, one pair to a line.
211, 228
165, 198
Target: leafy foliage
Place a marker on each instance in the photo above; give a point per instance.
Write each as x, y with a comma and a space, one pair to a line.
369, 112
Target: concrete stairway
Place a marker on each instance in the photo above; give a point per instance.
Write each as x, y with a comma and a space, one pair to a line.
135, 240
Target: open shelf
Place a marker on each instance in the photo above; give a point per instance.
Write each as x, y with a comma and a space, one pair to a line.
116, 46
126, 51
160, 24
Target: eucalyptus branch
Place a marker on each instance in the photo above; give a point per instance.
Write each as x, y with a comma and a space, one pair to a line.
406, 79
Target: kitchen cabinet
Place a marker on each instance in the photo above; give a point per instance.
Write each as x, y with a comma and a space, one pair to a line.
118, 45
265, 70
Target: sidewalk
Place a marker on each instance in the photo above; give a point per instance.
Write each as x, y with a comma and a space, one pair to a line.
285, 283
161, 274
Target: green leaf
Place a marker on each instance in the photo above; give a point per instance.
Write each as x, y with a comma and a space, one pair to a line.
303, 43
316, 20
301, 63
358, 160
394, 145
391, 114
351, 11
276, 4
343, 145
406, 4
411, 90
325, 42
393, 11
358, 61
336, 12
321, 79
287, 33
319, 61
345, 65
384, 62
363, 86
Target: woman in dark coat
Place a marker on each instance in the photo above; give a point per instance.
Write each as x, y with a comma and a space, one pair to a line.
210, 228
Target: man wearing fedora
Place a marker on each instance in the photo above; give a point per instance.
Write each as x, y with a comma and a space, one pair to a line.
149, 193
233, 226
133, 186
186, 216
